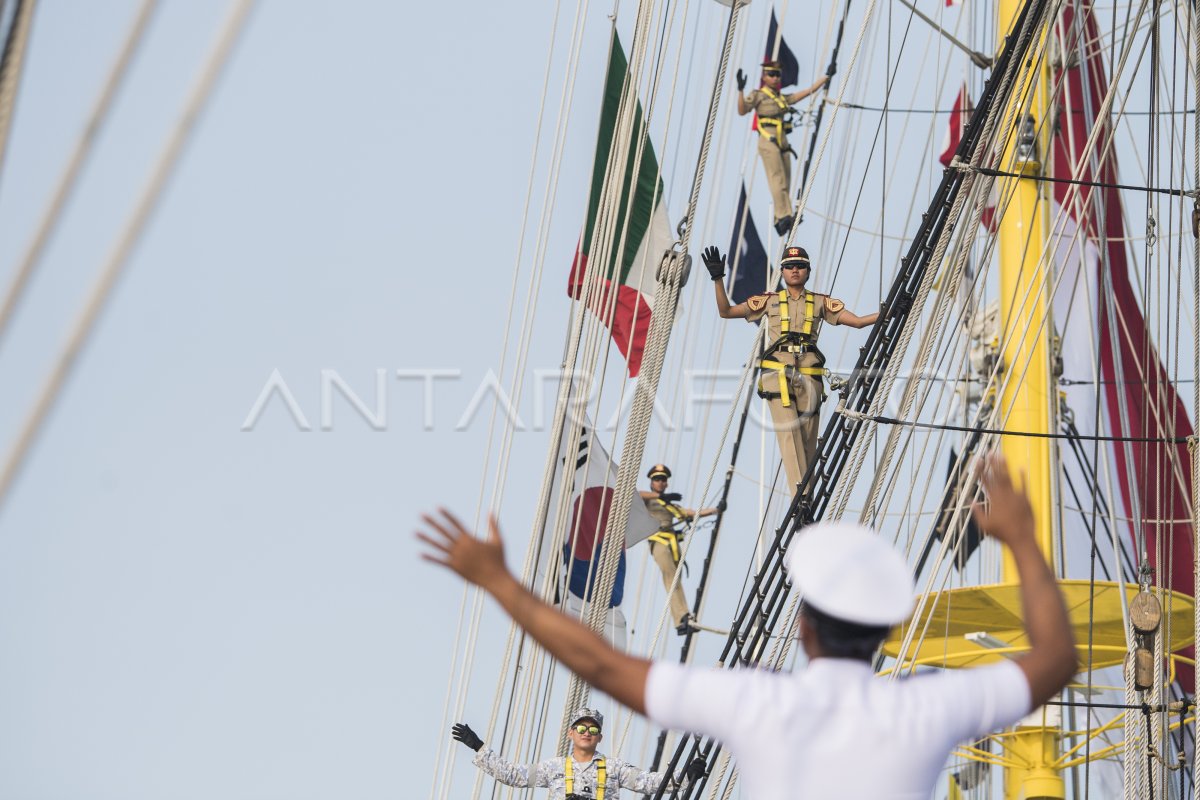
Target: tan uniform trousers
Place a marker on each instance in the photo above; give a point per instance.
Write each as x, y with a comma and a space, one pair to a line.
662, 556
778, 166
798, 432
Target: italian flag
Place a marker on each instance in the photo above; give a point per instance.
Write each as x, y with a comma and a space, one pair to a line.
635, 231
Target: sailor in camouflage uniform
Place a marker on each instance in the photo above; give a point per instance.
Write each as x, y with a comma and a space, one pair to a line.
583, 775
792, 365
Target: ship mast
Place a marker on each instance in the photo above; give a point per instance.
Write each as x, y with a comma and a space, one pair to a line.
1027, 395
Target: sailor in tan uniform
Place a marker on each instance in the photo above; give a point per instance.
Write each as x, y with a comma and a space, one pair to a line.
665, 542
792, 365
774, 111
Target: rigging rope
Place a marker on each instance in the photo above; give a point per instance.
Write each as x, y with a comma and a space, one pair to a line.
128, 239
52, 214
672, 274
999, 173
1194, 33
523, 347
830, 71
931, 426
12, 64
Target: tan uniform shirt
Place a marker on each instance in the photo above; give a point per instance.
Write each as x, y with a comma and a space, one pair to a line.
825, 309
760, 101
666, 520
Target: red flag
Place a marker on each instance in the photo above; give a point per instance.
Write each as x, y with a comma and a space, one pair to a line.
1154, 478
958, 121
959, 117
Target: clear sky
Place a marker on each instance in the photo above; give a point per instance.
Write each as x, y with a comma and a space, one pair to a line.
193, 610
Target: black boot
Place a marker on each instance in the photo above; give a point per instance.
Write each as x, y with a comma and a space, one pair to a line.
784, 225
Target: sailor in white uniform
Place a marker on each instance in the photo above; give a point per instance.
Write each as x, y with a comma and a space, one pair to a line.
832, 729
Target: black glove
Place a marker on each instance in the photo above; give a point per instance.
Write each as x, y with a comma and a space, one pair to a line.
831, 71
722, 505
671, 497
741, 79
714, 262
464, 734
695, 770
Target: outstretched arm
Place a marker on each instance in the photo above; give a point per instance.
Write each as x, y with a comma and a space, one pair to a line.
796, 97
852, 320
1051, 661
585, 653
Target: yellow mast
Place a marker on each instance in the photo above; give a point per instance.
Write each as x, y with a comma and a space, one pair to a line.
974, 625
1026, 402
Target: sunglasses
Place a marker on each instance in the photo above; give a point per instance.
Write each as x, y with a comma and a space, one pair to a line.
659, 478
594, 730
796, 266
772, 73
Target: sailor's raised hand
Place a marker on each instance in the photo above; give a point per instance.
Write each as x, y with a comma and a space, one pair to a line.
741, 81
714, 262
479, 561
463, 733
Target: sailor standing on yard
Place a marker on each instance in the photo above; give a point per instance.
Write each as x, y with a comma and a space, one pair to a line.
792, 365
832, 729
584, 773
664, 543
774, 123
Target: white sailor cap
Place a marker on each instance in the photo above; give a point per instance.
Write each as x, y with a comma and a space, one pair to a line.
849, 572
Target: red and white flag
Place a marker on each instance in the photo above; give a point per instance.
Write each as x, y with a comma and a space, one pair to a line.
959, 117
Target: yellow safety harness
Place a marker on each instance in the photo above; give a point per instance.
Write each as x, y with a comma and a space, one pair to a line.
669, 536
775, 128
794, 342
601, 776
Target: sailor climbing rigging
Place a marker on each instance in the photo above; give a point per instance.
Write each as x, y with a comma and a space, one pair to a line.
792, 365
584, 774
774, 111
664, 543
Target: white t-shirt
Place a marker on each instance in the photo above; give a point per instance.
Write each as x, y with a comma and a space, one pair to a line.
834, 729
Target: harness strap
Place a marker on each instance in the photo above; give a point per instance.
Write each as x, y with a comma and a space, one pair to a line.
785, 316
785, 334
569, 775
776, 98
781, 123
669, 539
767, 363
